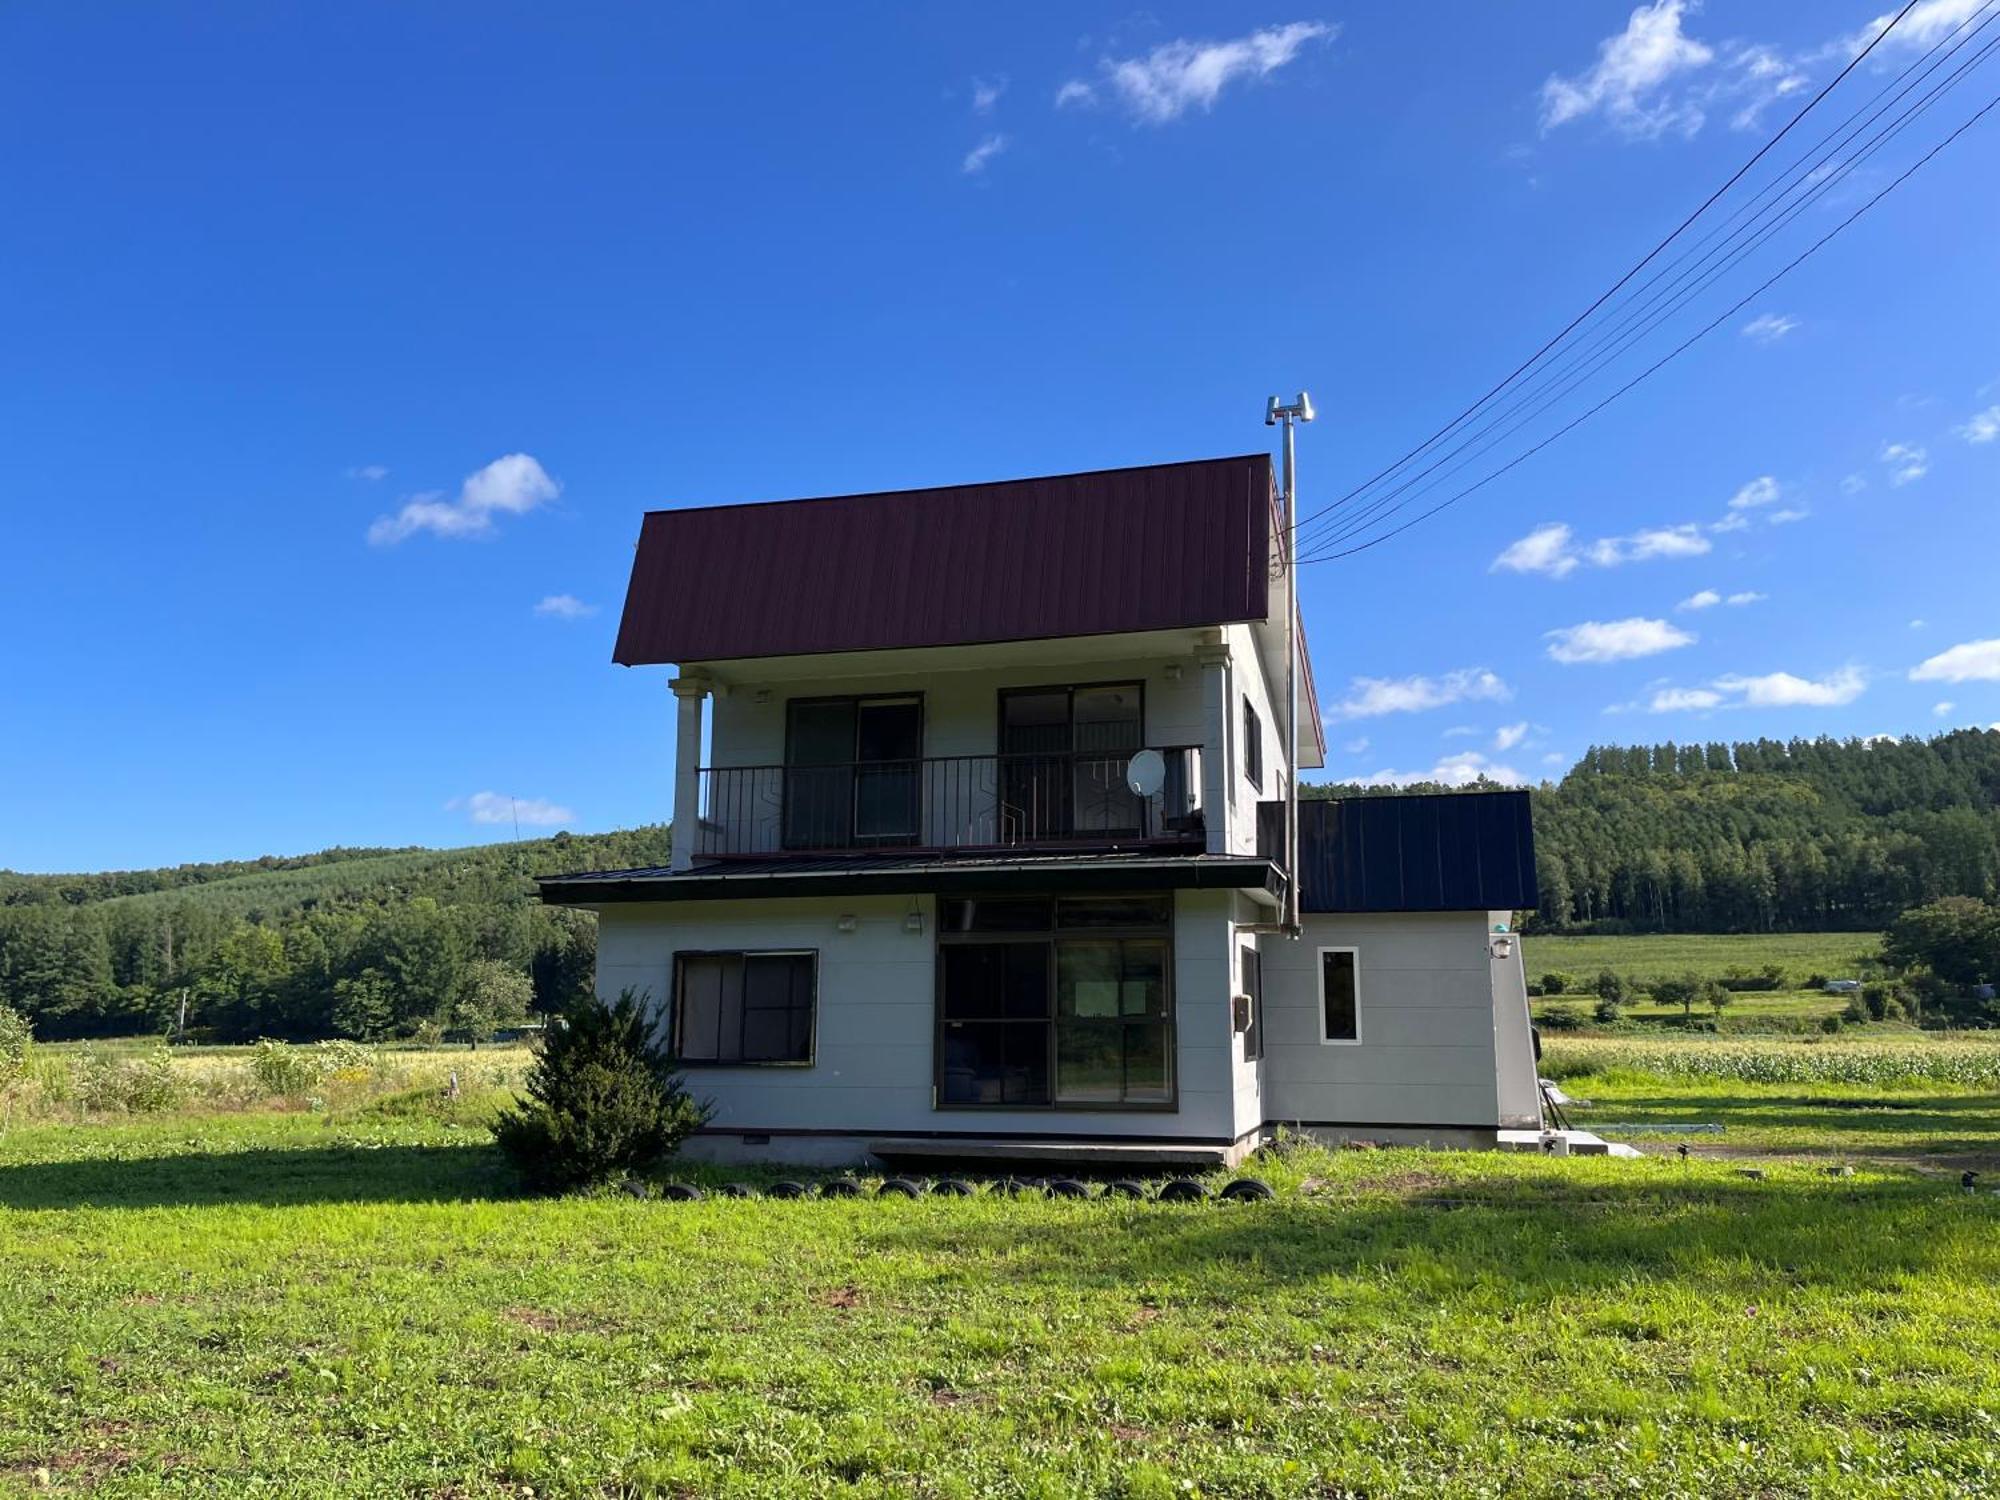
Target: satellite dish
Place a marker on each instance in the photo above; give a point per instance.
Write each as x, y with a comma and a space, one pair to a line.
1146, 773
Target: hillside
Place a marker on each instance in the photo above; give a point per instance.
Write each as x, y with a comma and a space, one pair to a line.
1766, 835
351, 941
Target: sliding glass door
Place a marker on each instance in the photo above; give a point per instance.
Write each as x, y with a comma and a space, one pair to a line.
1063, 756
852, 772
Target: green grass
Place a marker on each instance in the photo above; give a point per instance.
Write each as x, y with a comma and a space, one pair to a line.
1836, 955
354, 1303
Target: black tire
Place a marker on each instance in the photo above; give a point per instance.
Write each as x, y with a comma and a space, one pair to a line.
1124, 1187
736, 1190
1066, 1187
1248, 1190
840, 1187
899, 1187
788, 1189
1184, 1190
681, 1192
952, 1187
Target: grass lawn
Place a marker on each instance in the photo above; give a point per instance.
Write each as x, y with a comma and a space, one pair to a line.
354, 1303
1836, 955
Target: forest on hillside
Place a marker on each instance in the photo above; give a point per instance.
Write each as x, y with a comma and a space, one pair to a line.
362, 943
1765, 835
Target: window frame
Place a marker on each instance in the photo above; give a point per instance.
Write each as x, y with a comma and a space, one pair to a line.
1253, 744
674, 1018
1049, 941
1319, 989
1250, 964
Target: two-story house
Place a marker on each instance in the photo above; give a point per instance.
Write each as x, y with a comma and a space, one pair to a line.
978, 841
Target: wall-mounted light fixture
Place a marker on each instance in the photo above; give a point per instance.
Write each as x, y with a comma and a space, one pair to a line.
846, 922
913, 921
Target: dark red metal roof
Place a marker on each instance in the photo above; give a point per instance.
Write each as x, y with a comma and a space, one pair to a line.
1154, 548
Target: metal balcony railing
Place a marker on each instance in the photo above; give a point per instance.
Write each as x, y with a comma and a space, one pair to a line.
948, 802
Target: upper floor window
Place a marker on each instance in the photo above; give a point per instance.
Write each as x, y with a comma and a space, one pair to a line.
1340, 994
1253, 746
744, 1008
853, 772
1063, 753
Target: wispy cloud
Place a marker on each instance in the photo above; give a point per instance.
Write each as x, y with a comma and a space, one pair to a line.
1768, 328
1553, 549
1462, 769
1981, 427
1788, 515
1706, 599
977, 158
1969, 661
1679, 700
1181, 75
497, 807
1941, 709
374, 472
1600, 641
986, 93
1762, 490
1508, 736
1906, 462
1746, 596
1357, 747
1643, 546
1771, 690
512, 485
1547, 549
1370, 697
1853, 484
1628, 82
1928, 22
565, 607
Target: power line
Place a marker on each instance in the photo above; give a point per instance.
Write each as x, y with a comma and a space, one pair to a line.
1616, 286
1678, 350
1540, 398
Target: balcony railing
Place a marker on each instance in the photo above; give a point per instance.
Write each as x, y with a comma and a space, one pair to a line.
949, 802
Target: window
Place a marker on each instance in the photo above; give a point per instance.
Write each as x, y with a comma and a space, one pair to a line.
1340, 994
1252, 965
853, 772
1061, 1002
1063, 752
1253, 746
744, 1008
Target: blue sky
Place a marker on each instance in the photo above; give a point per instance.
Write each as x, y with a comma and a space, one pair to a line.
281, 277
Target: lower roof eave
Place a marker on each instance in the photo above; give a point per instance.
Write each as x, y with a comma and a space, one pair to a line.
1256, 877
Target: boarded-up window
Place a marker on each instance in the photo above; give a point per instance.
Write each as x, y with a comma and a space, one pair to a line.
1340, 994
744, 1008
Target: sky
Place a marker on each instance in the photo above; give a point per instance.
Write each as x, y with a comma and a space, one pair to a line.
342, 348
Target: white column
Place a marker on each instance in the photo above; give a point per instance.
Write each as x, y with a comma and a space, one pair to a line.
1215, 744
689, 695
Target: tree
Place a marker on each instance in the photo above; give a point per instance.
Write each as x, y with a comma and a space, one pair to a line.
603, 1099
364, 1006
493, 995
1957, 939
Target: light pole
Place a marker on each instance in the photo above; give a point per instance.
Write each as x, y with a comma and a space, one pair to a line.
1290, 415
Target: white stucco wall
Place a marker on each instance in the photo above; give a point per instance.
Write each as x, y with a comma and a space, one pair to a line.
1427, 1005
872, 1071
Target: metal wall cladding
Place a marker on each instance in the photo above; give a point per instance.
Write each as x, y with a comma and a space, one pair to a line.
1155, 548
1459, 851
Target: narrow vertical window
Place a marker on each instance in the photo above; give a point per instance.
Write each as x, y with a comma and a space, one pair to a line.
1340, 994
1253, 746
1253, 986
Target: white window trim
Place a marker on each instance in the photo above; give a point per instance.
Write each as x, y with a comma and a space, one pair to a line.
1319, 994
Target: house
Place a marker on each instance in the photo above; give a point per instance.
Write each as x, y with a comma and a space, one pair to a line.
979, 816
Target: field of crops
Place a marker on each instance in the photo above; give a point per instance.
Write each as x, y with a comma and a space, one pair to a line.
1960, 1060
1833, 955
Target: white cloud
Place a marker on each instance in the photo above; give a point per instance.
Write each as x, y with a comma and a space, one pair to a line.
1783, 690
1180, 75
1929, 21
1678, 700
1768, 328
1554, 758
1747, 596
1970, 661
1369, 697
1546, 549
1983, 427
565, 607
1918, 624
1736, 520
1508, 736
374, 472
986, 93
1643, 546
1460, 732
977, 158
495, 807
1627, 82
1706, 599
1907, 463
1357, 747
512, 485
1853, 484
1597, 641
1461, 769
1941, 709
1788, 515
1760, 491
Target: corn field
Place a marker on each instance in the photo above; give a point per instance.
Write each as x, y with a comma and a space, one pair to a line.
1960, 1059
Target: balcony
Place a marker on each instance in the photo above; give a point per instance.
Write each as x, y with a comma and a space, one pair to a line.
960, 802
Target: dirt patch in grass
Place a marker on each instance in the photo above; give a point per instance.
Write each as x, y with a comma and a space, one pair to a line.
844, 1297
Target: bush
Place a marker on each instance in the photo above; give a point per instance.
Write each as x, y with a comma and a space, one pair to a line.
1682, 991
1560, 1018
1556, 982
1855, 1011
1880, 1001
294, 1072
603, 1100
1608, 1012
141, 1085
1611, 985
15, 1034
1815, 981
1830, 1024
